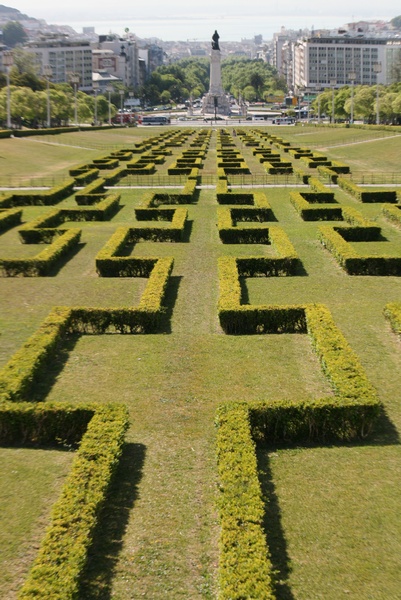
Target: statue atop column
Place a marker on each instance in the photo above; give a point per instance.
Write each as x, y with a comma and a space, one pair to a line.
215, 101
215, 41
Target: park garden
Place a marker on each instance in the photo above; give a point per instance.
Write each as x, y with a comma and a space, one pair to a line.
200, 363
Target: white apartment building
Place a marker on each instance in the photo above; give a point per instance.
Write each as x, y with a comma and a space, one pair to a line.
65, 57
337, 60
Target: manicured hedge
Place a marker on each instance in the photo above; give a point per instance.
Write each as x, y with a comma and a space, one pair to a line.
279, 168
367, 195
49, 197
110, 261
9, 218
57, 569
41, 230
392, 312
393, 213
336, 239
25, 368
245, 569
301, 175
309, 211
95, 187
104, 163
23, 371
43, 263
87, 176
43, 423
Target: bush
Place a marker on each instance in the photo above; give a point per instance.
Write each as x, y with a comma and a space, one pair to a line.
336, 239
367, 196
9, 218
57, 570
43, 263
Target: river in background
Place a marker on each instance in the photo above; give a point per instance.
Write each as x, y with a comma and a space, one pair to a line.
201, 27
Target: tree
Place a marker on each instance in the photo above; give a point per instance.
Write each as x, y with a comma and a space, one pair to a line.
387, 106
25, 70
257, 82
364, 103
165, 97
85, 108
396, 22
249, 93
13, 34
103, 108
60, 104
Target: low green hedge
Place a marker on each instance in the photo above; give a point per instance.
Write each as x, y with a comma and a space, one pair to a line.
94, 187
25, 369
245, 569
57, 570
281, 168
328, 173
104, 163
231, 234
318, 187
43, 424
41, 229
9, 218
367, 195
301, 175
339, 362
49, 197
27, 365
336, 239
110, 261
239, 170
311, 212
86, 177
392, 212
392, 312
43, 263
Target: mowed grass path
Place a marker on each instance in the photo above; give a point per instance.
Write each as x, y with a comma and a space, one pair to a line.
332, 518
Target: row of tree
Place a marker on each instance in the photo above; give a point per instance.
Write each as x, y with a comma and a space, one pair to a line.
253, 79
364, 101
29, 108
175, 83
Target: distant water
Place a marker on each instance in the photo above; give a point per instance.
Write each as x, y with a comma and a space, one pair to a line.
201, 27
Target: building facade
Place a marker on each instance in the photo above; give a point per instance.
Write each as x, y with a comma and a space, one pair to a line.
320, 62
65, 57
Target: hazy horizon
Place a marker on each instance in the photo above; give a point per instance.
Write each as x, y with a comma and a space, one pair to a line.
186, 20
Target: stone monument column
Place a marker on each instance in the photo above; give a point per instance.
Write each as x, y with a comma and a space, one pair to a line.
215, 100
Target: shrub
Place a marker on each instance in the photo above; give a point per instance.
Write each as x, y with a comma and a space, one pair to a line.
57, 570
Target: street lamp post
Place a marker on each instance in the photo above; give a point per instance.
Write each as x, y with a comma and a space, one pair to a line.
333, 83
48, 72
377, 68
109, 89
74, 79
352, 77
122, 93
95, 86
8, 61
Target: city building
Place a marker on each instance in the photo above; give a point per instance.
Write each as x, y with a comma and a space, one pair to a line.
65, 57
321, 61
119, 57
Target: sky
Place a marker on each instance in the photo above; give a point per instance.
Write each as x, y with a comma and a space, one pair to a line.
192, 15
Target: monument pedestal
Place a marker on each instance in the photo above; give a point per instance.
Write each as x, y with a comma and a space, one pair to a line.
221, 108
215, 100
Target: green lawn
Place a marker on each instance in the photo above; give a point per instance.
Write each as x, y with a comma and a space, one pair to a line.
332, 512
